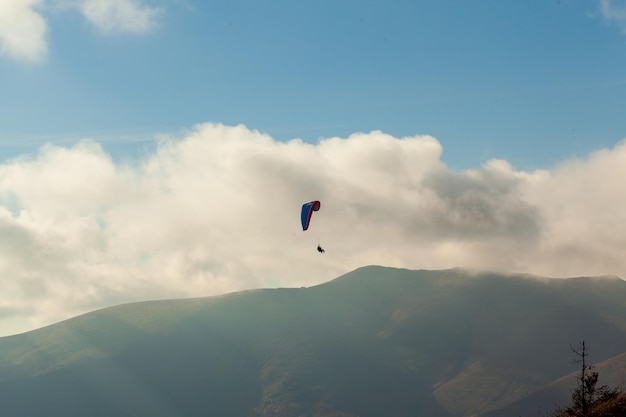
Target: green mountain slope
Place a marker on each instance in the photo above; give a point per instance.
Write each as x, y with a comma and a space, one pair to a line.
377, 341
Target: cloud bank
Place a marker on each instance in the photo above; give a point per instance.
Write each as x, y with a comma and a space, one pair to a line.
23, 26
217, 210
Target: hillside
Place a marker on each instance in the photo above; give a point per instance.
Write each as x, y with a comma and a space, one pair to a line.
377, 341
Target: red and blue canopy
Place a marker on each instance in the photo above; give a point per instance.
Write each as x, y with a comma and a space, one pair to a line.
307, 212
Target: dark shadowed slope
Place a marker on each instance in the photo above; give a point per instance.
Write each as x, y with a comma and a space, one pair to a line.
377, 341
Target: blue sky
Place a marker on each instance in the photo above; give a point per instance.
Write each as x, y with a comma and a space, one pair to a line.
163, 148
531, 82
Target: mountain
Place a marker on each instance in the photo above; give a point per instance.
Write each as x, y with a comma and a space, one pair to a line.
374, 342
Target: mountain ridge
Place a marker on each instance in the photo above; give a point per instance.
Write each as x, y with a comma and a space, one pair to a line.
374, 341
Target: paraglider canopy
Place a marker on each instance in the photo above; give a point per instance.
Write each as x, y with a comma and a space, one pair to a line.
307, 212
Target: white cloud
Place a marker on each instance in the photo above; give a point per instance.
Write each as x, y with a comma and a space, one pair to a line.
126, 16
22, 30
584, 223
23, 26
218, 210
614, 11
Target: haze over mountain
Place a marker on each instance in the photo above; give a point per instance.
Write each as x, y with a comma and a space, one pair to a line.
374, 342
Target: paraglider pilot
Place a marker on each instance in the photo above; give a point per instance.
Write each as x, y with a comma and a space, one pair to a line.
320, 249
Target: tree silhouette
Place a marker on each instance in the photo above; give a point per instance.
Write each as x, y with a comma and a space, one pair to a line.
589, 400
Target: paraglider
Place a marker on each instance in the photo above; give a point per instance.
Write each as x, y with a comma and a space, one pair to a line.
305, 217
307, 212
